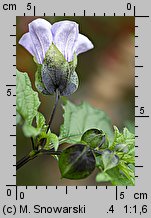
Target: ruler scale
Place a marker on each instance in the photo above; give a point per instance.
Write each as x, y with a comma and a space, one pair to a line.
83, 201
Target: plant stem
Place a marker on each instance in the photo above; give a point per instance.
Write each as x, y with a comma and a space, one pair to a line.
32, 142
29, 157
23, 161
53, 111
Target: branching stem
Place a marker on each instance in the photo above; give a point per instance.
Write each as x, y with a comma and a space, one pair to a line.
33, 154
36, 153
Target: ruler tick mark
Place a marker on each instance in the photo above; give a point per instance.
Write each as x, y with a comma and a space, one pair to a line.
116, 193
10, 85
34, 10
142, 116
66, 190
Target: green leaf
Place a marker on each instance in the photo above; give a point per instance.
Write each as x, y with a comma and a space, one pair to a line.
79, 118
126, 138
122, 148
109, 159
40, 120
30, 131
46, 136
27, 104
129, 173
128, 158
93, 138
103, 177
76, 162
122, 174
52, 141
27, 101
118, 178
130, 126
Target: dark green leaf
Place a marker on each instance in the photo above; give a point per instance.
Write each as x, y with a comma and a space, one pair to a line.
76, 162
79, 118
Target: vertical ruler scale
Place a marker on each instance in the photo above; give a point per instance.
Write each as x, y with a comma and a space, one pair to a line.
82, 201
11, 92
141, 110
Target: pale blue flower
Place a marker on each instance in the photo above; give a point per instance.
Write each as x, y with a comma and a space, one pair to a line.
64, 35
